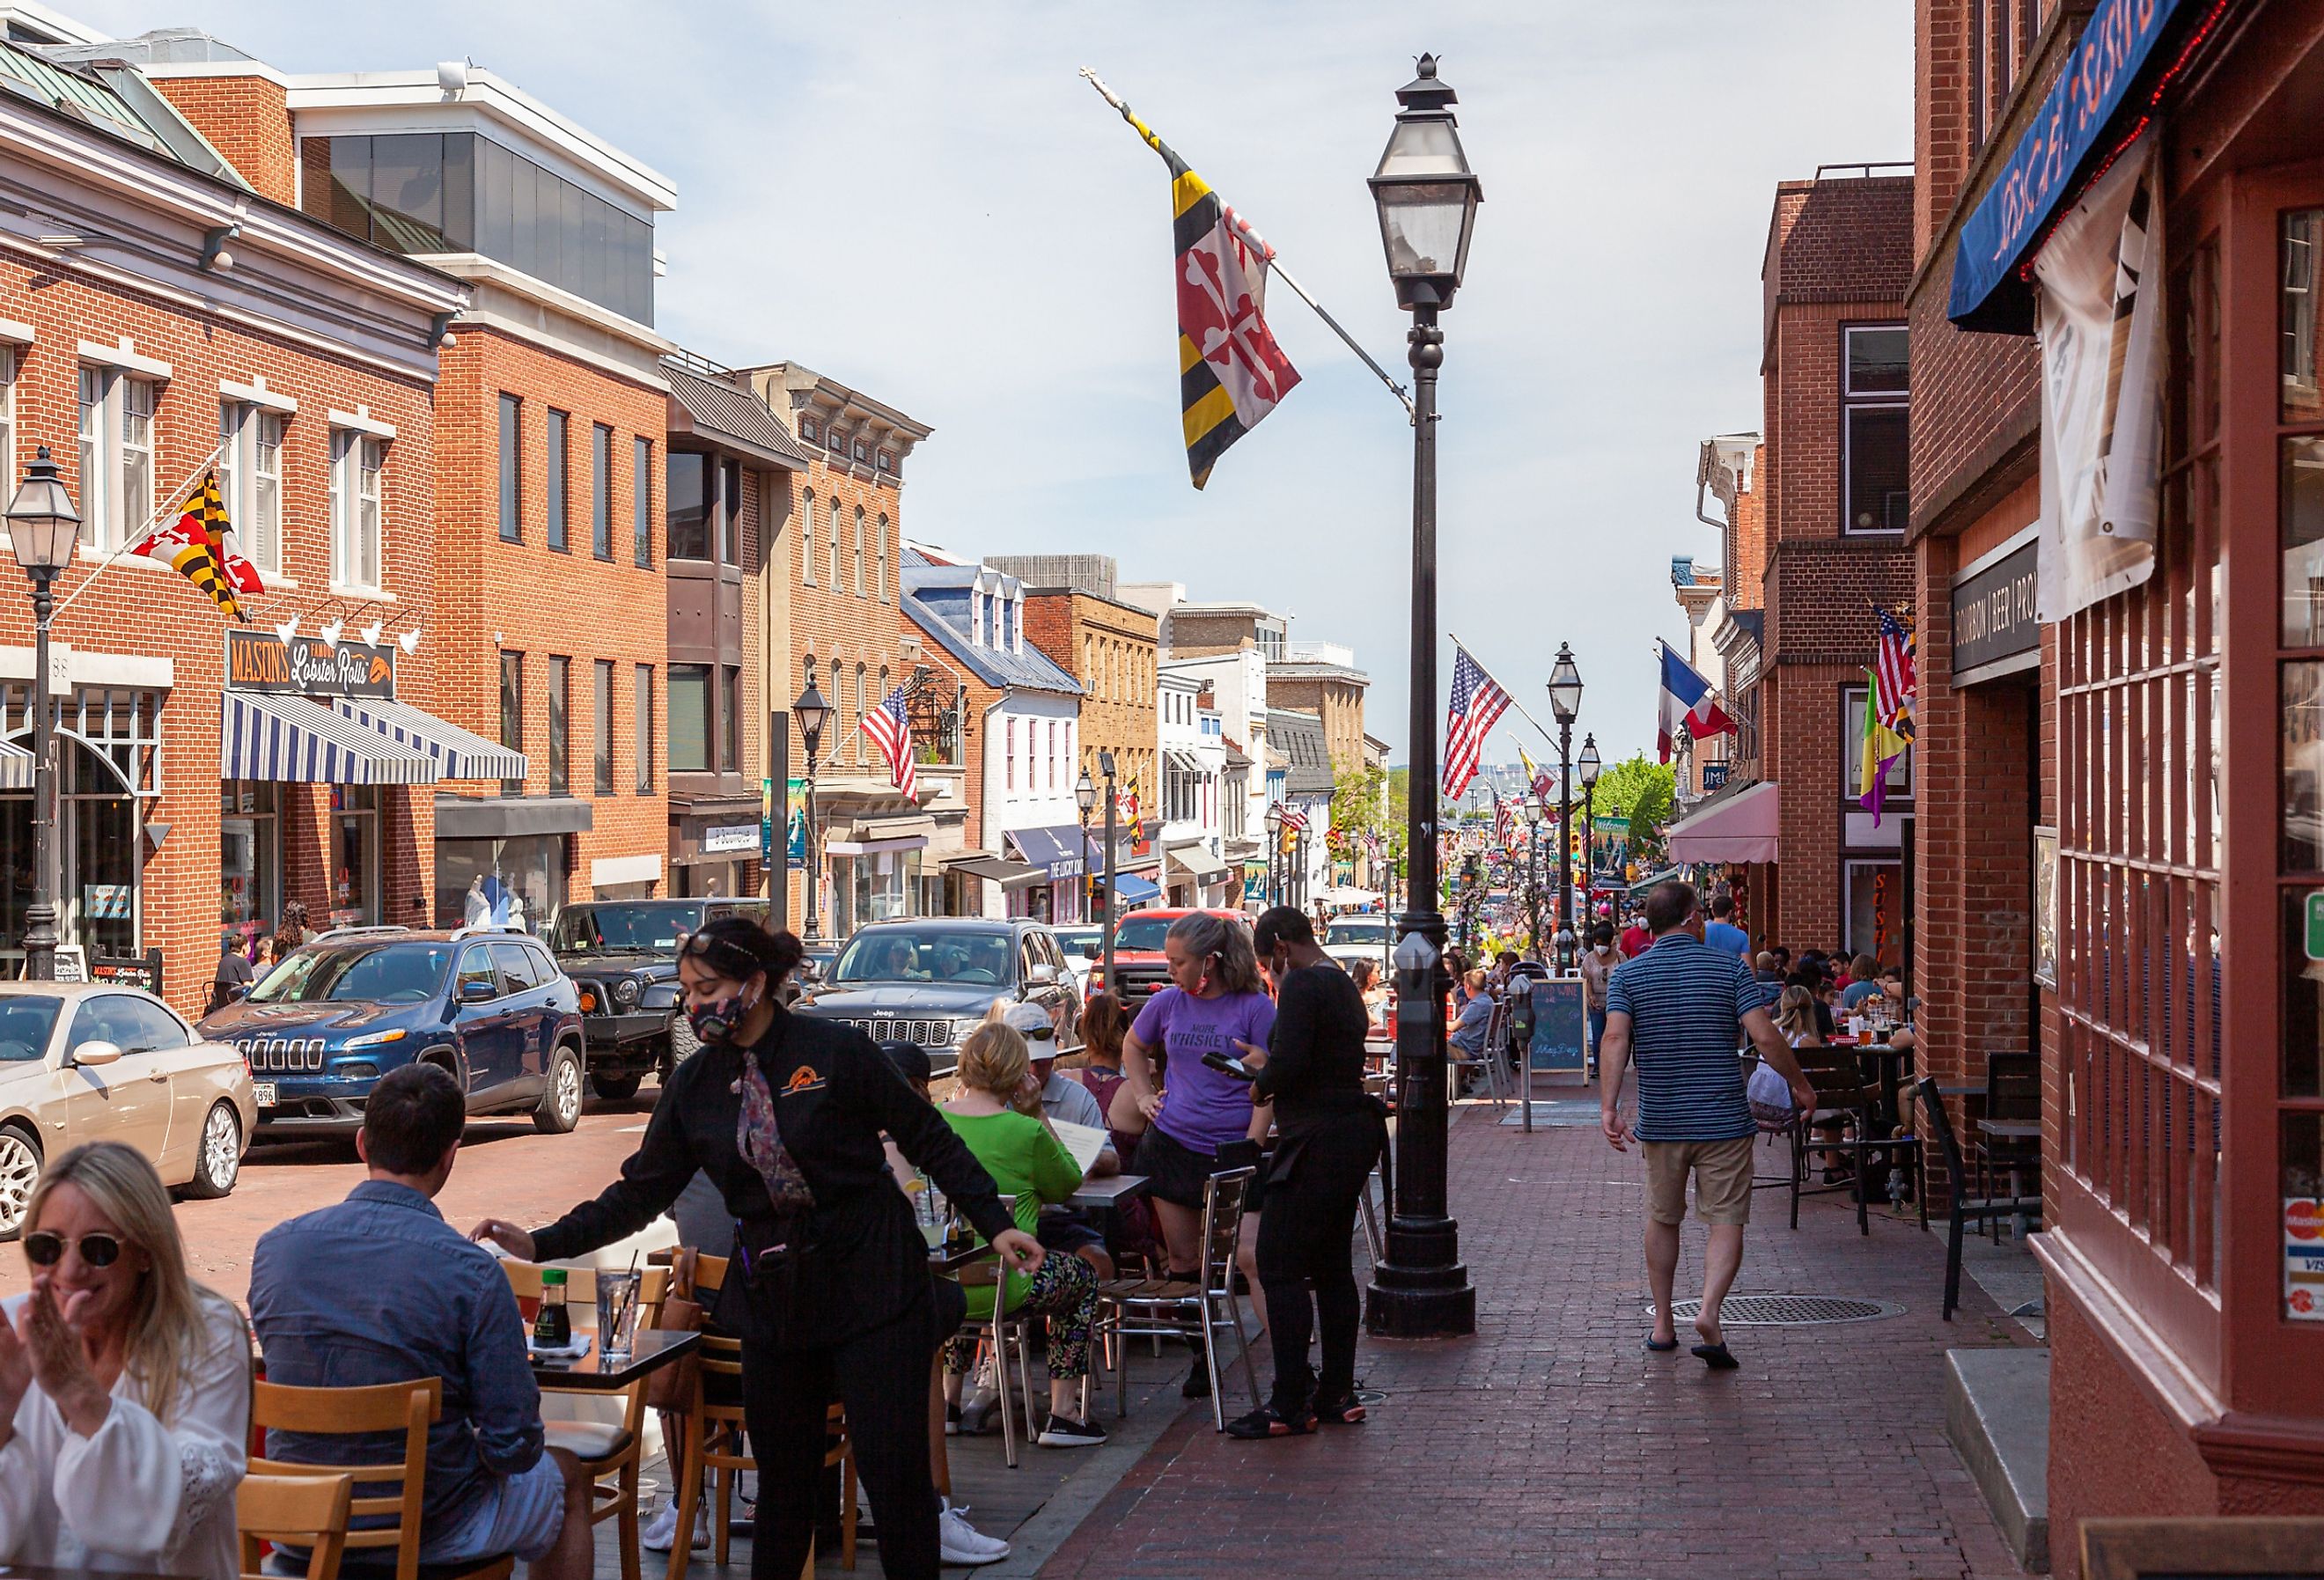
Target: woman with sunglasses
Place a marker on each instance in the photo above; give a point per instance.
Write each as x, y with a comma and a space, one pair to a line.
830, 1289
125, 1386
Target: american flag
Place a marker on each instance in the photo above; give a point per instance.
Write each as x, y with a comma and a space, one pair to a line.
1505, 823
1895, 673
1478, 704
890, 731
1294, 821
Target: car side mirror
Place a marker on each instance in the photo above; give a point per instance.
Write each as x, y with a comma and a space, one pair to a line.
96, 1051
1041, 974
1090, 951
477, 993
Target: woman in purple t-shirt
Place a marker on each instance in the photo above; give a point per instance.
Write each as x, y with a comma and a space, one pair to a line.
1217, 1001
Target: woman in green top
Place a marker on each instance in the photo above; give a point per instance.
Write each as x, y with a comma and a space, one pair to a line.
1026, 1161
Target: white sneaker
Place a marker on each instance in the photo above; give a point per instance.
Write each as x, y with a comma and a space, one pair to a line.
962, 1544
976, 1409
660, 1532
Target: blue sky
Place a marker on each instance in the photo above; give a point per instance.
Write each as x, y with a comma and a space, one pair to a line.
925, 201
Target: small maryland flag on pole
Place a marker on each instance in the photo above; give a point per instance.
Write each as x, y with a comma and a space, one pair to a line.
200, 547
1230, 371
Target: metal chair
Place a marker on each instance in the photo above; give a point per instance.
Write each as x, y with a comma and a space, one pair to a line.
1490, 1061
1006, 1333
1980, 1209
1131, 1309
2013, 1092
1843, 1094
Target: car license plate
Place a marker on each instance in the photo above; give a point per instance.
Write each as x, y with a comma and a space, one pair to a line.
263, 1094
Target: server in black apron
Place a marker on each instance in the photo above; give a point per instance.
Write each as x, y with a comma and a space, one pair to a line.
1329, 1132
830, 1290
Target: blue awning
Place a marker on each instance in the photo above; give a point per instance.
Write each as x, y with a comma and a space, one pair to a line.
1056, 850
293, 740
1133, 890
2070, 136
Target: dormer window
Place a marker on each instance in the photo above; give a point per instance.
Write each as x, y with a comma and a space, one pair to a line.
863, 450
808, 430
837, 441
887, 462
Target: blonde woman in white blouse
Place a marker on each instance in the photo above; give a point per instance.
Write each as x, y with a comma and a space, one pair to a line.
124, 1387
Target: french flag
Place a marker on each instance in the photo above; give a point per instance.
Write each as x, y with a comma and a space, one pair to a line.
1687, 700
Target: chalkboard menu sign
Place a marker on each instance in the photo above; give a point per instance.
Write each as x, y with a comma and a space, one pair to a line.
1561, 1031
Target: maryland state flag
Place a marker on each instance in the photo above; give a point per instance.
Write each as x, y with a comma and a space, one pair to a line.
1230, 371
200, 547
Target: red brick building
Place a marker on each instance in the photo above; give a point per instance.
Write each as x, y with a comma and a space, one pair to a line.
1835, 373
547, 613
163, 318
836, 554
2127, 772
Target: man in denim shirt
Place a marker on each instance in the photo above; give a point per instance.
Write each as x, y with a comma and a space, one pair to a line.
378, 1288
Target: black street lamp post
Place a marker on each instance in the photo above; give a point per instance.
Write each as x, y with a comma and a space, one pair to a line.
812, 712
1565, 702
44, 528
1589, 763
1426, 196
1086, 803
1533, 872
1112, 900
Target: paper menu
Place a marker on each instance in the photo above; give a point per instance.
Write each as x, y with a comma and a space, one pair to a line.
1085, 1141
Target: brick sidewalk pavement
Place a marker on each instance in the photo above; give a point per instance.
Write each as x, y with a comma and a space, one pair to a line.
1552, 1444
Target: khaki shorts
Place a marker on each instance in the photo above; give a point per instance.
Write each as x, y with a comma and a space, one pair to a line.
1722, 1180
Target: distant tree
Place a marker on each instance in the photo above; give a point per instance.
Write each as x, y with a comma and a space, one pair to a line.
1639, 790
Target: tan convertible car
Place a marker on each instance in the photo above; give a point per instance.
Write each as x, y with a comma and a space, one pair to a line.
84, 1062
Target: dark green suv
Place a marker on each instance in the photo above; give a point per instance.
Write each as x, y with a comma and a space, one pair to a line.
623, 954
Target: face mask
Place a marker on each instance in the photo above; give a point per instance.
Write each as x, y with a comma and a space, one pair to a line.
716, 1021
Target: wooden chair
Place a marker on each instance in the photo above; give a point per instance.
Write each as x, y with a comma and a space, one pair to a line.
303, 1510
1131, 1309
408, 1407
609, 1452
711, 1440
1841, 1093
1966, 1209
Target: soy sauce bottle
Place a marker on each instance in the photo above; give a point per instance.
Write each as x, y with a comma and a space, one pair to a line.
552, 1329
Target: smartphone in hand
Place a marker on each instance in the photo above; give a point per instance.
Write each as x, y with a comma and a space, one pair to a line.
1233, 1067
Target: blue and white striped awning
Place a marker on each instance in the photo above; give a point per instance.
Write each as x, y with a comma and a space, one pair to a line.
456, 753
292, 739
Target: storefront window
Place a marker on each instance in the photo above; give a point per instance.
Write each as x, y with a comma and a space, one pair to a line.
249, 871
109, 765
355, 855
502, 882
878, 885
1876, 911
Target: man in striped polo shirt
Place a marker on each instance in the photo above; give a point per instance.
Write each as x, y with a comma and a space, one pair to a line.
1683, 1008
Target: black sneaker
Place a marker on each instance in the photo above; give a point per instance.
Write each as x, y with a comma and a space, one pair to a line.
1344, 1411
1198, 1380
1064, 1432
1268, 1423
951, 1420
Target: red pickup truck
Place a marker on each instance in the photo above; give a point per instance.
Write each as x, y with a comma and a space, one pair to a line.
1139, 968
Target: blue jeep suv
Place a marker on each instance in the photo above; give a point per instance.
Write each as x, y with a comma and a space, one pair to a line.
489, 1005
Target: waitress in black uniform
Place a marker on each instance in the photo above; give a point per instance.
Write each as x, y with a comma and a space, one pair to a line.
830, 1289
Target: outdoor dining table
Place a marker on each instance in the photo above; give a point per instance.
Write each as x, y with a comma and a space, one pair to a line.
652, 1349
942, 1259
1109, 1192
2014, 1130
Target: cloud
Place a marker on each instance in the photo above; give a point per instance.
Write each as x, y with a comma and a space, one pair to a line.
925, 201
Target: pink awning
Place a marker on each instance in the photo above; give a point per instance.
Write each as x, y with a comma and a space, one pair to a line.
1736, 829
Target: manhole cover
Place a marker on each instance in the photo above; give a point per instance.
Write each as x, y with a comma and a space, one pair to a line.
1789, 1310
1369, 1396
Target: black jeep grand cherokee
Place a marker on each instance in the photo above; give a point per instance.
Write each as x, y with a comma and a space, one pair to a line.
623, 954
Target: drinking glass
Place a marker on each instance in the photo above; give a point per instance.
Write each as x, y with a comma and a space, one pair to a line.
617, 1314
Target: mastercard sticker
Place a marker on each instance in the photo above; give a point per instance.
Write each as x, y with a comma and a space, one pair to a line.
2303, 1259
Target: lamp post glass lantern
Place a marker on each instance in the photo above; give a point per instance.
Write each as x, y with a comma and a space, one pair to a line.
813, 712
1565, 702
1426, 196
44, 528
1112, 899
1086, 803
1588, 765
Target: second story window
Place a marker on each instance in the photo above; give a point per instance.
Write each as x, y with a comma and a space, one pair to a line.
835, 546
250, 480
643, 704
601, 491
116, 456
1876, 422
730, 515
557, 474
560, 721
358, 461
881, 589
602, 699
859, 552
511, 469
685, 486
690, 718
513, 712
807, 539
642, 502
